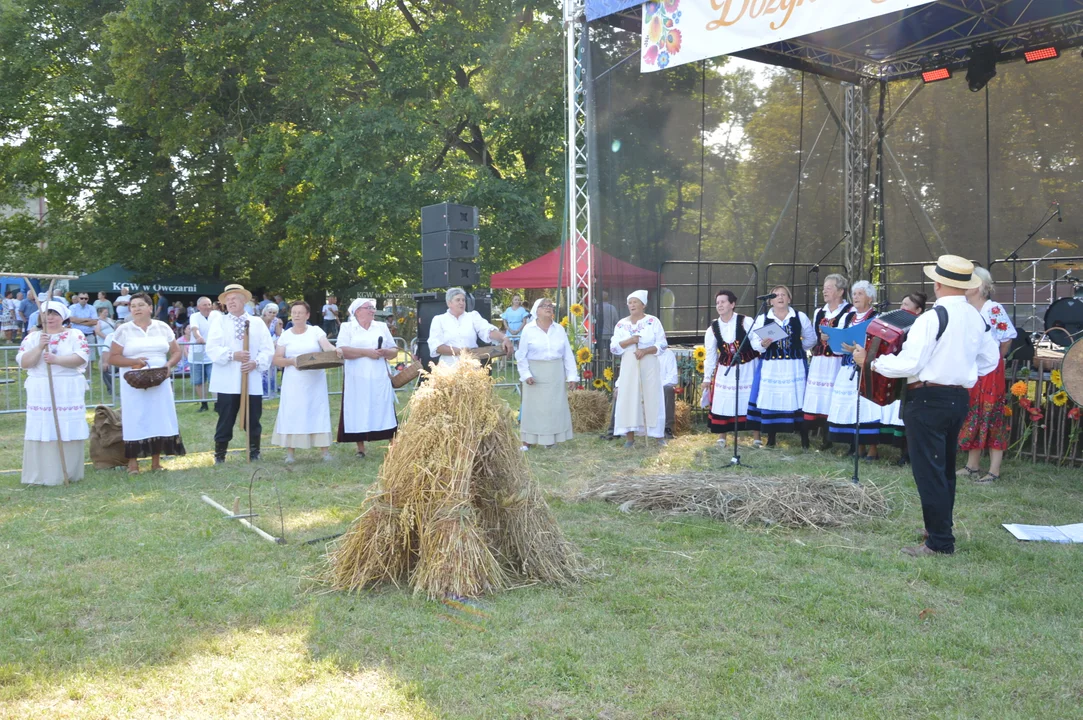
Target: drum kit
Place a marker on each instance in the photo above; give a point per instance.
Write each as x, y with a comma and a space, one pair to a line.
1063, 321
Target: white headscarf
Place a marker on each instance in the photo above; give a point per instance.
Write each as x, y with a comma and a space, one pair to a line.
534, 308
59, 307
360, 302
640, 295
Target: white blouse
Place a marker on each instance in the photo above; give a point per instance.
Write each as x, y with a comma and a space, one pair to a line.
130, 330
69, 342
457, 332
729, 334
808, 335
650, 332
551, 344
1000, 323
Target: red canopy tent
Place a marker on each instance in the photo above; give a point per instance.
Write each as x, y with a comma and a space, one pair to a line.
545, 272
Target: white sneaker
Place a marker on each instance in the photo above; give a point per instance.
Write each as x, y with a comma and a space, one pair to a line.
721, 442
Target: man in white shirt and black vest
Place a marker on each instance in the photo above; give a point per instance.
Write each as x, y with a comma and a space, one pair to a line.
942, 357
225, 348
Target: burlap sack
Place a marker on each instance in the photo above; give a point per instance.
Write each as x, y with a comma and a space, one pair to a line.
107, 439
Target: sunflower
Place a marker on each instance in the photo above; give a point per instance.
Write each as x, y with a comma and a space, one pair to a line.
700, 353
583, 355
564, 322
607, 373
599, 385
699, 366
1056, 379
1060, 399
1019, 389
577, 310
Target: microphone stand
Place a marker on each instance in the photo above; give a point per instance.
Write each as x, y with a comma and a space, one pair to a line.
735, 361
1014, 257
856, 480
815, 270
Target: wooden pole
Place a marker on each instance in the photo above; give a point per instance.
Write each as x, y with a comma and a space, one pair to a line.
244, 400
49, 375
266, 536
38, 276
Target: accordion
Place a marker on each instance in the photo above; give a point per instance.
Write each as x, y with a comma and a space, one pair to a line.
885, 336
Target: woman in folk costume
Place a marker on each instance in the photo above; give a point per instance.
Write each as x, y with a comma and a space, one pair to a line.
368, 400
149, 417
458, 330
784, 368
985, 427
825, 364
720, 392
640, 406
546, 364
304, 413
842, 420
892, 430
65, 350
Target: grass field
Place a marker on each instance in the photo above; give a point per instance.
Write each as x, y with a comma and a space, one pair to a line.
129, 598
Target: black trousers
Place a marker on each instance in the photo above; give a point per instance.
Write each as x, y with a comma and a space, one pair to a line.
933, 417
228, 407
671, 407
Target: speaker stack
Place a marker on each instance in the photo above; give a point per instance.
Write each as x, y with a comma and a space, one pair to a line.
449, 251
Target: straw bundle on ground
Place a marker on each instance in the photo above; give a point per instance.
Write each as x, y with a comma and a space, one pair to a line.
590, 410
790, 502
454, 510
682, 418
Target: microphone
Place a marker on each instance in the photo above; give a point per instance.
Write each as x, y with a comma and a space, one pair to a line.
1059, 217
769, 296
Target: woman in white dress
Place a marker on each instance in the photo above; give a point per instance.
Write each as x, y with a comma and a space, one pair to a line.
458, 330
368, 400
825, 364
640, 405
721, 396
842, 420
784, 369
545, 365
66, 351
148, 416
304, 413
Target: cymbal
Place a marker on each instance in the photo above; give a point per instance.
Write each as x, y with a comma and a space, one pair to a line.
1067, 266
1058, 244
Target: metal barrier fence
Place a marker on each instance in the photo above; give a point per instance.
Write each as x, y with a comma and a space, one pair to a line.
103, 384
694, 283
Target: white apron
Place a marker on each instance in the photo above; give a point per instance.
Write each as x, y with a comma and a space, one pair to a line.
726, 385
304, 408
368, 402
148, 413
640, 398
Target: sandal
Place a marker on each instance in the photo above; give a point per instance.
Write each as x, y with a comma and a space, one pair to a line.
971, 472
986, 479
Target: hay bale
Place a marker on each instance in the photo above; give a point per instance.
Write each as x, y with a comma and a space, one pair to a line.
682, 418
454, 510
590, 410
789, 502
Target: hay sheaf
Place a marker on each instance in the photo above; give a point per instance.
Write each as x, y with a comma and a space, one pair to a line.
682, 417
590, 410
454, 511
789, 502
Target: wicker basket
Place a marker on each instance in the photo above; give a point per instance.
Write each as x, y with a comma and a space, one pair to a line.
408, 374
147, 377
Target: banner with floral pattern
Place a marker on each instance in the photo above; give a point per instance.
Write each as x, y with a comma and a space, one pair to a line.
676, 32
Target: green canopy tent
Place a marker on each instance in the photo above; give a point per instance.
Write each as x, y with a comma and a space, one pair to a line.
111, 279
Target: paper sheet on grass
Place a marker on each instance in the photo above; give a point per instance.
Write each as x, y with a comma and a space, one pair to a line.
853, 335
1048, 533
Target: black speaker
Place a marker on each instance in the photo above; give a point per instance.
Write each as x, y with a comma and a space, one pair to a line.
448, 245
429, 305
448, 273
446, 216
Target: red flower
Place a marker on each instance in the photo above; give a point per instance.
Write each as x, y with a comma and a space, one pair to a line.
1024, 403
587, 374
996, 310
678, 390
1075, 414
1002, 326
1036, 415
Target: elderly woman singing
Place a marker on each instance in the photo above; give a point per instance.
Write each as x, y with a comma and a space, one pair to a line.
458, 330
640, 405
545, 365
66, 351
368, 400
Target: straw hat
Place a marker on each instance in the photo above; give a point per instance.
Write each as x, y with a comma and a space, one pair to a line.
234, 288
953, 271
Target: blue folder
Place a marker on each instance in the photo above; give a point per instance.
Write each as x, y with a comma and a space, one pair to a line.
853, 335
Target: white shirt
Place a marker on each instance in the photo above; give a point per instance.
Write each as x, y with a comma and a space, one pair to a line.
222, 342
551, 344
121, 303
68, 342
650, 332
964, 351
729, 334
198, 353
808, 335
156, 329
458, 332
330, 312
667, 367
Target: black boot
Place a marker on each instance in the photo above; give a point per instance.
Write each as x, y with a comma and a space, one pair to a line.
770, 439
804, 440
220, 452
253, 449
202, 407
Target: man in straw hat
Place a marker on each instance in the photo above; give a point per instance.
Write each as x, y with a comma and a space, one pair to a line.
942, 357
225, 348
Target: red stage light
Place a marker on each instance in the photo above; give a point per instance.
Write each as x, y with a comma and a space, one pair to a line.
1039, 54
930, 76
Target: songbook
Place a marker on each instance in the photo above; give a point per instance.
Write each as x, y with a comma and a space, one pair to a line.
853, 335
1047, 533
771, 331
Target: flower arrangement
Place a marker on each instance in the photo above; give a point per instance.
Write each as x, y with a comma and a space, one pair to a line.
1037, 399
